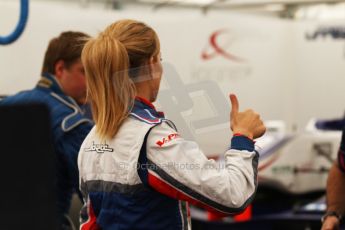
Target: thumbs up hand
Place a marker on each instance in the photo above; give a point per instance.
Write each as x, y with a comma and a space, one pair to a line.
247, 123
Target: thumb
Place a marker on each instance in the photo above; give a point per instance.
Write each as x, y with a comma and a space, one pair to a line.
234, 104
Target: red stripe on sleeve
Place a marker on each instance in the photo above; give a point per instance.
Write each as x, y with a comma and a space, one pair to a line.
168, 190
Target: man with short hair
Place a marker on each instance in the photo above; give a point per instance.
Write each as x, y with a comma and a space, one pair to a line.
62, 89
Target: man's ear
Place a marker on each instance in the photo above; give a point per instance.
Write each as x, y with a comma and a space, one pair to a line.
59, 68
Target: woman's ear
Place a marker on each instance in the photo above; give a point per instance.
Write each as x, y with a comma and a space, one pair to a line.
151, 64
153, 60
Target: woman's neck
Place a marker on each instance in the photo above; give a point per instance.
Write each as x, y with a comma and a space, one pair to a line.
143, 92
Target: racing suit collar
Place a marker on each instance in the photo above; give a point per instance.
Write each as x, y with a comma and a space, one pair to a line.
143, 104
48, 81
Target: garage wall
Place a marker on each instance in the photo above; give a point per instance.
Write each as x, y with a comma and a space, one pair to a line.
267, 62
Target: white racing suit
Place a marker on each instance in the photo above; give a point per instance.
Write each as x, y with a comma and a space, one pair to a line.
147, 174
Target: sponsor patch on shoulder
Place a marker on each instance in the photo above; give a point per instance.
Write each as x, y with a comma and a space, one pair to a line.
167, 139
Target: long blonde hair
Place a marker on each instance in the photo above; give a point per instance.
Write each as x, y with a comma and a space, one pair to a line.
107, 59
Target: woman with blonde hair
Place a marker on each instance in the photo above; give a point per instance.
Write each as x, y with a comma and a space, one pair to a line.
129, 163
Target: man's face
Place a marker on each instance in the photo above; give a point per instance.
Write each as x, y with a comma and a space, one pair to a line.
73, 81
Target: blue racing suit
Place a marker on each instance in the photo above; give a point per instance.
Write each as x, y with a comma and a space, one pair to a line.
69, 127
